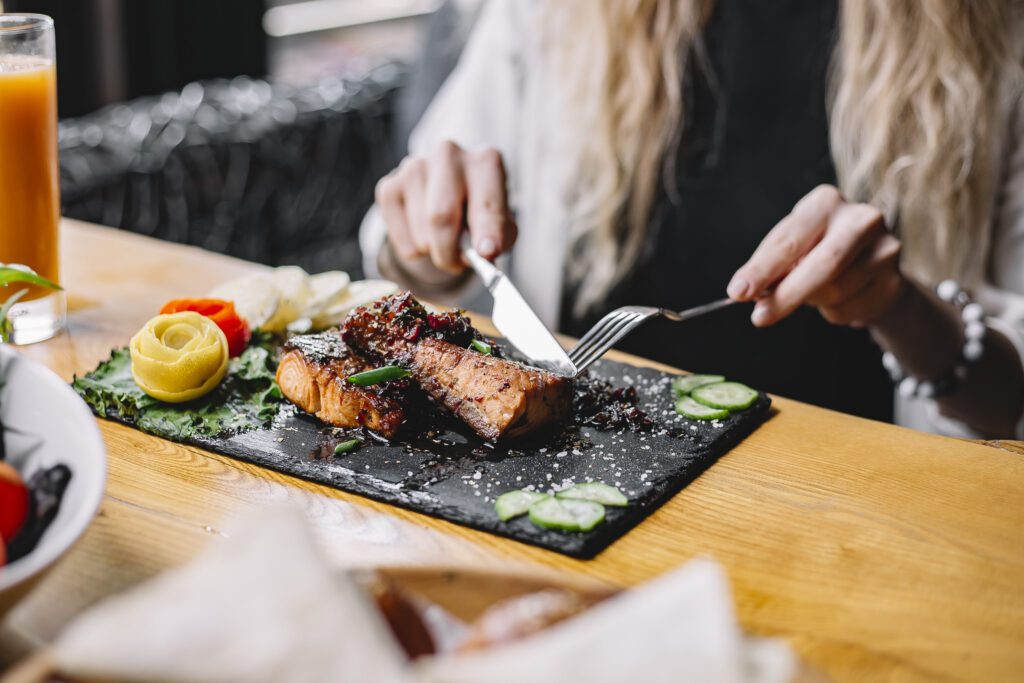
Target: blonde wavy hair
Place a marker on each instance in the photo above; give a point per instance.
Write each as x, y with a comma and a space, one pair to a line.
919, 96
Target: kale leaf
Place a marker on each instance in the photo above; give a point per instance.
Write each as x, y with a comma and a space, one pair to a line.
248, 398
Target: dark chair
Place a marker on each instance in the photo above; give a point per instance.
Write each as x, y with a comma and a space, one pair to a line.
265, 172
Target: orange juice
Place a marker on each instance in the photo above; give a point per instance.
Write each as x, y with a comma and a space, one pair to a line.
29, 182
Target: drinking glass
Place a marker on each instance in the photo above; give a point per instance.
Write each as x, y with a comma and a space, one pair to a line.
29, 178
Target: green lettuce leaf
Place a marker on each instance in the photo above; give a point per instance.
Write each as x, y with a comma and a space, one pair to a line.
248, 398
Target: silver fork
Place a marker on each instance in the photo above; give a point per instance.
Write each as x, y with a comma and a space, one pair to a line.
610, 329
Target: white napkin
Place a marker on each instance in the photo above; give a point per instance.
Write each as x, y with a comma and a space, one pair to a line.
261, 605
264, 605
679, 627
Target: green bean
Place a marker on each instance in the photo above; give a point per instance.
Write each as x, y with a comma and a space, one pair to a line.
378, 375
478, 345
347, 446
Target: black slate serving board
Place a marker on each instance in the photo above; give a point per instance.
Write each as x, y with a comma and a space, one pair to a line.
456, 477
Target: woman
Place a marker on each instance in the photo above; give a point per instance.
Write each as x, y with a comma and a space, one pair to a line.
641, 151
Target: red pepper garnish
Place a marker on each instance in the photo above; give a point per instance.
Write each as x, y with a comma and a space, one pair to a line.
414, 332
221, 312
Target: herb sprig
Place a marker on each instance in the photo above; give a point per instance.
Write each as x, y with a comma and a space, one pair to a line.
9, 274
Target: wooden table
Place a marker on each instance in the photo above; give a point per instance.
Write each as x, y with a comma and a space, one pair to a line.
878, 552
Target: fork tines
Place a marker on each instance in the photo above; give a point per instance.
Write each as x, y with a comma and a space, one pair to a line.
606, 333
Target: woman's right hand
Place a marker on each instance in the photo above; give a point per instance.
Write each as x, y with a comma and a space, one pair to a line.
427, 202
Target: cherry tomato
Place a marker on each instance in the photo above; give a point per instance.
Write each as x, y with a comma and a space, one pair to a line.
13, 502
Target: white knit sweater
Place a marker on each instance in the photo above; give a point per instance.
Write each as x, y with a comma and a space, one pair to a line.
497, 97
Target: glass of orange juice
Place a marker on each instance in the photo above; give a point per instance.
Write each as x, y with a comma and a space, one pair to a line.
29, 178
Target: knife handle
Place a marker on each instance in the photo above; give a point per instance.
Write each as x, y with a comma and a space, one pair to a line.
487, 271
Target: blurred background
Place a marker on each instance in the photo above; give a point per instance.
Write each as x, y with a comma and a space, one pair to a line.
256, 129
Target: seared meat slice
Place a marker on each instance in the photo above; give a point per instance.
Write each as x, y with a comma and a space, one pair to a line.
494, 396
312, 375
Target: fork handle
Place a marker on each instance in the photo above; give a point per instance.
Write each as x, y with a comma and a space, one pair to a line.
678, 316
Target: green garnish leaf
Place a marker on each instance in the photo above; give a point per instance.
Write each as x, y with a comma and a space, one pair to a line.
248, 398
6, 326
17, 273
14, 273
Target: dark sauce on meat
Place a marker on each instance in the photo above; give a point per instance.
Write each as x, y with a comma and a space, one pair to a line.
406, 317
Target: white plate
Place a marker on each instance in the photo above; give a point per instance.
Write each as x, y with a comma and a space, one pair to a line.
51, 425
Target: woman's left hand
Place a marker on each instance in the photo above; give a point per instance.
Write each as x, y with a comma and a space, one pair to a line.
827, 253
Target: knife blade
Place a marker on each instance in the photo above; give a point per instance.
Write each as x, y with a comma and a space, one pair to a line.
516, 321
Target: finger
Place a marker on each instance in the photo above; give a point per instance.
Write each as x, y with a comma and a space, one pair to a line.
851, 229
412, 174
882, 256
786, 243
390, 203
847, 284
445, 196
867, 306
490, 223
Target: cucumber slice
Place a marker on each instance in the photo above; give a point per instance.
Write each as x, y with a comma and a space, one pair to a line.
687, 407
567, 514
597, 492
684, 385
514, 503
725, 395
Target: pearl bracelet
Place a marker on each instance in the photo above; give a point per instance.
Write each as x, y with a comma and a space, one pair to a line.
972, 315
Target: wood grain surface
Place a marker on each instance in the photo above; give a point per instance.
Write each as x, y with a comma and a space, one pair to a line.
878, 552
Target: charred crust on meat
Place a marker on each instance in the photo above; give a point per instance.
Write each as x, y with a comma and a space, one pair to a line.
498, 398
401, 315
495, 396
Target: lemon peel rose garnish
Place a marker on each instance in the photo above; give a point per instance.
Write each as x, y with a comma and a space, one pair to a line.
179, 357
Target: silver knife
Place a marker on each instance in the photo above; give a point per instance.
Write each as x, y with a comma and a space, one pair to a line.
516, 320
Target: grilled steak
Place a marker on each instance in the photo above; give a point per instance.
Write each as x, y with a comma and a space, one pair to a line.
312, 375
494, 396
